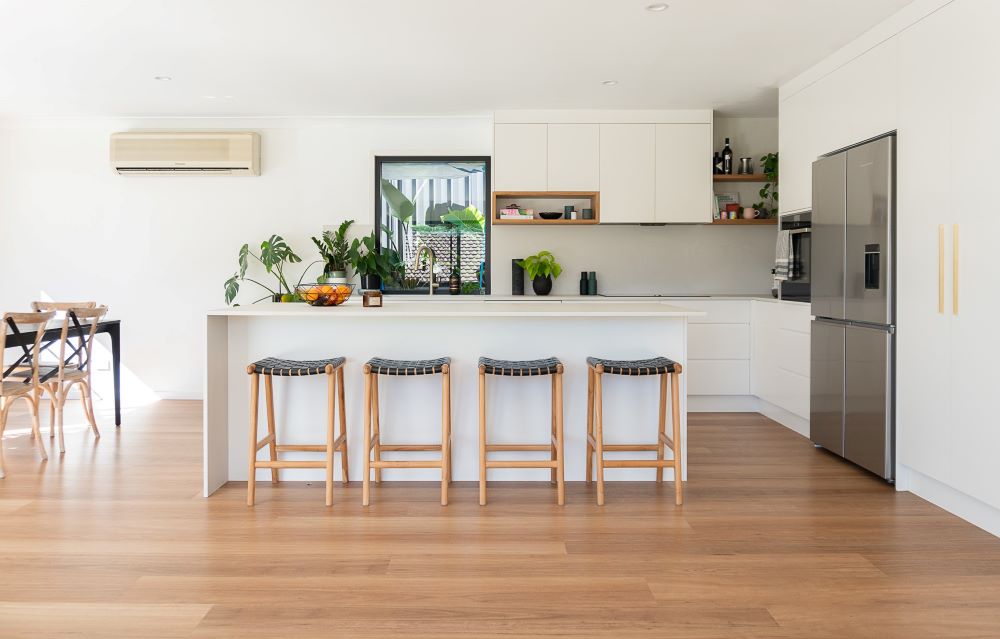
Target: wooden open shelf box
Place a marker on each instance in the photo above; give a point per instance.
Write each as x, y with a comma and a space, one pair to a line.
555, 201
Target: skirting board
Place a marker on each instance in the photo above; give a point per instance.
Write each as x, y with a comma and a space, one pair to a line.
969, 508
787, 419
748, 404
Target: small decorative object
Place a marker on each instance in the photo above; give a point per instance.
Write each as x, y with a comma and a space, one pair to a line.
750, 213
516, 277
372, 299
746, 166
550, 215
569, 208
732, 210
592, 283
334, 249
769, 192
455, 283
588, 214
541, 268
274, 254
324, 294
583, 283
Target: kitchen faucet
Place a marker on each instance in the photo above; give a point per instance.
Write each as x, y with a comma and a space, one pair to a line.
416, 264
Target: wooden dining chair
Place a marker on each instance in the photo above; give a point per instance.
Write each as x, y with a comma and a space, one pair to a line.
26, 387
73, 366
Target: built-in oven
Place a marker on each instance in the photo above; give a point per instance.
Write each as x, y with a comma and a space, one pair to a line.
796, 228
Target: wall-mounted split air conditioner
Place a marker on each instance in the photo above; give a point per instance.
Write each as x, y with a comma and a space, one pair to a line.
202, 152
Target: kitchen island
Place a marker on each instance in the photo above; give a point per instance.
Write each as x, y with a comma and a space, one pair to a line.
463, 328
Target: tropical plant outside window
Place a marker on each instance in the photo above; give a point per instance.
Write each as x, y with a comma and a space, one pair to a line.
440, 202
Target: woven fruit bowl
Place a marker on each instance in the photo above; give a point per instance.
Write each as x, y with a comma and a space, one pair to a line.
324, 294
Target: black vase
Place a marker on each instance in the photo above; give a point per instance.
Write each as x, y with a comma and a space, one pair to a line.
542, 285
371, 282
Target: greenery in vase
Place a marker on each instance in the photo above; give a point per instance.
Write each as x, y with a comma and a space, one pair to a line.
769, 192
274, 254
334, 248
541, 265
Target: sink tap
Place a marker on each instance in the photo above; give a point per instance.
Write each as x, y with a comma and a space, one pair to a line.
423, 248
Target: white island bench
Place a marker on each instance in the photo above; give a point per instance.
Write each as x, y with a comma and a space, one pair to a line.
464, 329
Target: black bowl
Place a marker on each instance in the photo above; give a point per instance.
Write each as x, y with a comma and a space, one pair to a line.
550, 215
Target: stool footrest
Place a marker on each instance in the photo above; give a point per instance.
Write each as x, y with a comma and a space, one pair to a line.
517, 447
412, 447
282, 463
302, 448
630, 447
396, 463
510, 463
264, 442
638, 463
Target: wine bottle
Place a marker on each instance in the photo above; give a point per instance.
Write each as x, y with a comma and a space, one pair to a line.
716, 163
727, 159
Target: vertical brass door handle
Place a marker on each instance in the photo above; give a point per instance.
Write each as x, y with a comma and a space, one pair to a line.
941, 269
954, 269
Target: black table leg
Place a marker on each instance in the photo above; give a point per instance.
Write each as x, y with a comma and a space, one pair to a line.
114, 332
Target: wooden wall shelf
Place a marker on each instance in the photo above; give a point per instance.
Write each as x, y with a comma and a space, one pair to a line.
555, 199
752, 177
764, 221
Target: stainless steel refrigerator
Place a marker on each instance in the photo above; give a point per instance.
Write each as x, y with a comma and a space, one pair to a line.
853, 305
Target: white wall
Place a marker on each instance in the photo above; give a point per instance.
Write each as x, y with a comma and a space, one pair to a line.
157, 249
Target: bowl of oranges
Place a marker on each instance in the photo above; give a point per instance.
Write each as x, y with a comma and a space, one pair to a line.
324, 294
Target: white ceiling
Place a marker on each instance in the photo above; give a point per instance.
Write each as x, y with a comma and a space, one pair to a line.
399, 57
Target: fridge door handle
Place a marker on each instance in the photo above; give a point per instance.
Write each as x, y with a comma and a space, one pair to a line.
941, 269
954, 269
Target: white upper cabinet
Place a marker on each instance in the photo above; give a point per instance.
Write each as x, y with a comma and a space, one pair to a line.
519, 157
574, 157
628, 160
683, 173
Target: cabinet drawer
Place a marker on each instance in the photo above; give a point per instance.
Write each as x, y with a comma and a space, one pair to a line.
719, 341
716, 311
784, 389
794, 352
794, 317
718, 377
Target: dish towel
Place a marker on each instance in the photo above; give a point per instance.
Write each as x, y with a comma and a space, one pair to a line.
782, 256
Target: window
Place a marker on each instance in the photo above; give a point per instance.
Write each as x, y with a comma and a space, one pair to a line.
442, 203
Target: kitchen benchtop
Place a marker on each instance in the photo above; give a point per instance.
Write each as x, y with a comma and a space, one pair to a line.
470, 306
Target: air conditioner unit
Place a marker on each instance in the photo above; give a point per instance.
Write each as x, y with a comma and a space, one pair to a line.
202, 152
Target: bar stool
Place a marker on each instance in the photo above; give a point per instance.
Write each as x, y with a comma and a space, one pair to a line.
373, 430
524, 368
334, 370
666, 369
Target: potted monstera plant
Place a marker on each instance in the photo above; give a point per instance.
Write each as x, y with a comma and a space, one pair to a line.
541, 268
274, 254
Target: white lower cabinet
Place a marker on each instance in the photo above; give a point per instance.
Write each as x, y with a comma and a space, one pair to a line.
779, 360
718, 347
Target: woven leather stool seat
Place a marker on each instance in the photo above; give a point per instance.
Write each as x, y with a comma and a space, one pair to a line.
294, 368
382, 366
650, 366
520, 368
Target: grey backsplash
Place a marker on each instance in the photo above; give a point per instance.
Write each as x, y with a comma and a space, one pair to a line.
683, 259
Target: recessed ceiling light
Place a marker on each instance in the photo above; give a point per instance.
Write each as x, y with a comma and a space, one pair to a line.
609, 83
229, 97
162, 78
658, 7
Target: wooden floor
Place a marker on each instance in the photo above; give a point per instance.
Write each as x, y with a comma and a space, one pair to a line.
776, 539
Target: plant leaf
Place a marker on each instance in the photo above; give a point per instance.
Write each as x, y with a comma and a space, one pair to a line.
402, 207
232, 287
244, 250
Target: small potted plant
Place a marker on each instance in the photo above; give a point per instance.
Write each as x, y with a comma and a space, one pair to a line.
335, 251
372, 266
541, 268
768, 206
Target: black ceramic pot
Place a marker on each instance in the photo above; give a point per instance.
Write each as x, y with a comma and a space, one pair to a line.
542, 285
371, 282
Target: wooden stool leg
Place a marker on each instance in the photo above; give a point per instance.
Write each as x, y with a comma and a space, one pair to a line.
599, 434
590, 423
252, 470
343, 426
331, 385
660, 447
675, 416
445, 431
553, 455
366, 478
376, 428
272, 448
482, 436
560, 452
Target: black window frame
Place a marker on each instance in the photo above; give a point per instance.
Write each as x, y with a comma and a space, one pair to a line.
487, 199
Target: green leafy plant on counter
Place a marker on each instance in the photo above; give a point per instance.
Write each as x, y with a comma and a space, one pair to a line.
542, 264
366, 259
769, 192
334, 248
275, 253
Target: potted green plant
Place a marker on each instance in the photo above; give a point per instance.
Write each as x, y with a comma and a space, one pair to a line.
274, 254
335, 249
541, 268
769, 192
371, 265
